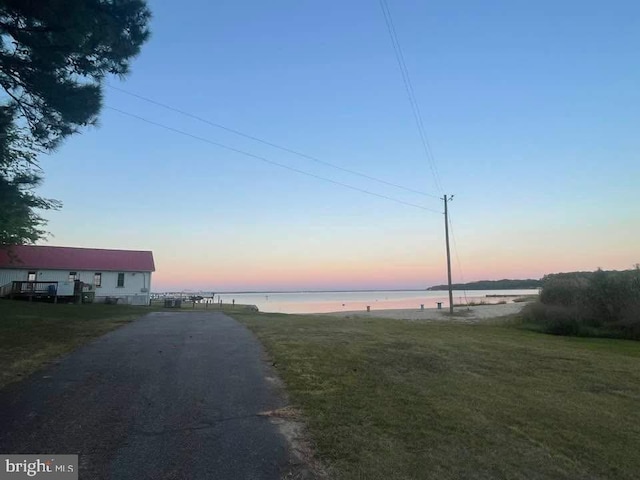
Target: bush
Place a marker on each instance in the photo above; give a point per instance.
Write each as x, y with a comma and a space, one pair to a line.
589, 303
629, 324
563, 289
554, 319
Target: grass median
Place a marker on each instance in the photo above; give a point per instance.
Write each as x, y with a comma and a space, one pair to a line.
32, 334
394, 399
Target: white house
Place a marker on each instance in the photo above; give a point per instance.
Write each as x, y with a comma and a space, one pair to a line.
112, 274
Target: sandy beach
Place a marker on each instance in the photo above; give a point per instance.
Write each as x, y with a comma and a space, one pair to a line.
461, 314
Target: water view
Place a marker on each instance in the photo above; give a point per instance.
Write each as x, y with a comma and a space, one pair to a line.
323, 302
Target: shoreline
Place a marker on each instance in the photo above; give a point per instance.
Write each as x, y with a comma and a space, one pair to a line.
474, 313
390, 290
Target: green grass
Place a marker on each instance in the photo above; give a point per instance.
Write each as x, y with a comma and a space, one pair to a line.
480, 303
526, 298
393, 399
32, 334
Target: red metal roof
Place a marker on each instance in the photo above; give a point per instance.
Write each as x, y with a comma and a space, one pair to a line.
69, 258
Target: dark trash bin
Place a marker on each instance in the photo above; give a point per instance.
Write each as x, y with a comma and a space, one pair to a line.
172, 303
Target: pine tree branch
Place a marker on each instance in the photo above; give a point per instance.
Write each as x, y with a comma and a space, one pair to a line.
13, 28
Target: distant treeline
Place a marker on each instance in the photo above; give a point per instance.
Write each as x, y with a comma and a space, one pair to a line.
493, 285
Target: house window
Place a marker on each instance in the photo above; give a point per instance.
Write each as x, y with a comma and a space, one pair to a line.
97, 279
73, 276
31, 277
121, 280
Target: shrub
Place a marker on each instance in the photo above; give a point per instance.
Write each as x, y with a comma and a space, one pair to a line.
589, 303
554, 319
562, 289
629, 324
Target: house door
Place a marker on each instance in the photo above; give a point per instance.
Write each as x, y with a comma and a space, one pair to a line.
31, 277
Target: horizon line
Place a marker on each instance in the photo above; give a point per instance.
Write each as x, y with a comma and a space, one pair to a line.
301, 291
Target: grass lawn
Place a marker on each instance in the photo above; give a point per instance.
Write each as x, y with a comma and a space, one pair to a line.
393, 399
32, 334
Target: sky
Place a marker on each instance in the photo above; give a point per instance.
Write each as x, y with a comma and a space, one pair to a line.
531, 111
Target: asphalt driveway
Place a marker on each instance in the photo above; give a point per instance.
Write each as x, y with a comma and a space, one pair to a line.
169, 396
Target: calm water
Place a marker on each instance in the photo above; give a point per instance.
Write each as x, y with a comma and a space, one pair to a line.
323, 302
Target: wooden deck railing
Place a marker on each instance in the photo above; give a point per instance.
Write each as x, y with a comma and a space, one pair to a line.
32, 289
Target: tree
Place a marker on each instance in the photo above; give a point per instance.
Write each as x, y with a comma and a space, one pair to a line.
55, 53
54, 56
19, 222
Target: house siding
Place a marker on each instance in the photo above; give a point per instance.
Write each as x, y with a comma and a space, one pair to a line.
11, 275
135, 291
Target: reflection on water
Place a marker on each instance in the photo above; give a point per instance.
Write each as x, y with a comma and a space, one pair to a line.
323, 302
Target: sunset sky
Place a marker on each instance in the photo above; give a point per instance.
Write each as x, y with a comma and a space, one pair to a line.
532, 112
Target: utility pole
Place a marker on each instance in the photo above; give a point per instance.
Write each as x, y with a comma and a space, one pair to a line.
446, 232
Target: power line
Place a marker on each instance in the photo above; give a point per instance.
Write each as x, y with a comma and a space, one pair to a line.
270, 144
410, 92
266, 160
